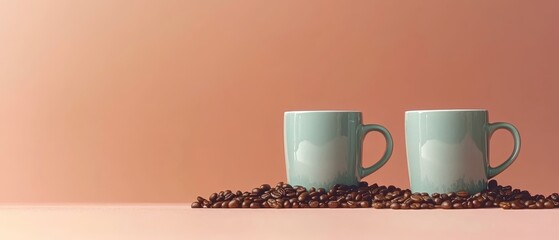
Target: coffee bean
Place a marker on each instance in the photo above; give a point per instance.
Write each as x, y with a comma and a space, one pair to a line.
225, 204
276, 194
246, 204
415, 205
351, 204
492, 184
265, 187
234, 204
446, 205
395, 205
344, 205
554, 196
424, 206
540, 205
364, 204
217, 205
463, 194
213, 197
303, 197
457, 205
378, 205
286, 204
516, 205
476, 203
313, 204
255, 205
295, 205
323, 198
257, 191
505, 205
548, 204
404, 206
333, 204
416, 198
196, 205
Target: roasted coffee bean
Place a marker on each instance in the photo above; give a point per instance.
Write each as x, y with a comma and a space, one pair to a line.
344, 205
463, 194
476, 203
265, 187
416, 198
351, 204
196, 205
225, 204
457, 206
276, 194
505, 205
234, 204
378, 205
286, 204
213, 197
323, 198
548, 204
425, 206
303, 197
492, 184
333, 204
446, 205
516, 205
395, 205
254, 205
246, 204
217, 205
265, 196
415, 205
364, 204
313, 204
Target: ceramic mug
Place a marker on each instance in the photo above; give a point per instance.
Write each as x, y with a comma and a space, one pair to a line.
447, 150
324, 148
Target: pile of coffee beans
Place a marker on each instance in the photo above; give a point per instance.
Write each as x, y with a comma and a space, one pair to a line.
364, 195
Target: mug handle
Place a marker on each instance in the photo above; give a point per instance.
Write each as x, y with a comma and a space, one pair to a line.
492, 172
363, 172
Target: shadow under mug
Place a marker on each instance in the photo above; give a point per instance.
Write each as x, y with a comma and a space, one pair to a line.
324, 148
447, 150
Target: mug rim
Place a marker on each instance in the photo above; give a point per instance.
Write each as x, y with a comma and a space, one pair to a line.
448, 110
323, 111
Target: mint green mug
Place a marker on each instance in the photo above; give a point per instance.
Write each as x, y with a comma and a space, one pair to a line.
324, 148
447, 150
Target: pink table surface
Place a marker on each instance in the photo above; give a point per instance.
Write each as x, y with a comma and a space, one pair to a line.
182, 222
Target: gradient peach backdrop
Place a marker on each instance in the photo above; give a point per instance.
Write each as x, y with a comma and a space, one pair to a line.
161, 101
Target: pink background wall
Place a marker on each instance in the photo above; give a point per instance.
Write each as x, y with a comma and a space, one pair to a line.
145, 101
